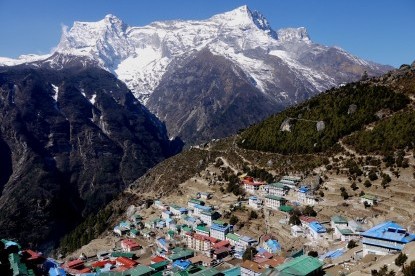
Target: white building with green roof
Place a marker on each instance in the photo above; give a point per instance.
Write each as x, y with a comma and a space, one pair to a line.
274, 202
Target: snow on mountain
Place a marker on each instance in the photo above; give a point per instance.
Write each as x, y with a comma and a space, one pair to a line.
140, 56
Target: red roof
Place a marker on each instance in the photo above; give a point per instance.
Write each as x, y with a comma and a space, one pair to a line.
276, 261
31, 255
307, 219
202, 237
75, 263
221, 250
222, 244
130, 243
85, 270
120, 268
102, 263
157, 259
126, 262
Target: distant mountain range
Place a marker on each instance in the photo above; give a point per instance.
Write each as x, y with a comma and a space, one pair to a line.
207, 79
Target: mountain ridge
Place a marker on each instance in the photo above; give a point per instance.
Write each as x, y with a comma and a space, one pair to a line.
285, 65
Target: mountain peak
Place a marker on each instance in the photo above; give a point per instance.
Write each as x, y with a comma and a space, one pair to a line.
243, 17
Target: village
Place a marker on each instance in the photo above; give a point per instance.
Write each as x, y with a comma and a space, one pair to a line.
198, 234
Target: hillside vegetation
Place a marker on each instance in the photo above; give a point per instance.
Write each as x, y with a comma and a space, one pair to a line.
337, 112
396, 132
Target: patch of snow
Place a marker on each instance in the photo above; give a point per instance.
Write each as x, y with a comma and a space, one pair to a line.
92, 100
56, 94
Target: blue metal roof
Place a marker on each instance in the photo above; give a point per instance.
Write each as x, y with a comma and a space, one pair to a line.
182, 264
219, 227
162, 241
304, 189
273, 245
332, 254
317, 227
247, 239
389, 231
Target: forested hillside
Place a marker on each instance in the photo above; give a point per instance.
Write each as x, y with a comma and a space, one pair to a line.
318, 124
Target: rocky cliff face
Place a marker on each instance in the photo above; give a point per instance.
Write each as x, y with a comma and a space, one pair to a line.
209, 97
70, 140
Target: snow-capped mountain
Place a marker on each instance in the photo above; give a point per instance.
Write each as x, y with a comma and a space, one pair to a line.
284, 65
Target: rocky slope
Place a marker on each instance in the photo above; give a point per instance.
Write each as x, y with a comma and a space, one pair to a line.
283, 67
70, 141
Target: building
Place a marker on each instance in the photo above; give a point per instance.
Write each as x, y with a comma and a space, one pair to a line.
160, 205
255, 202
202, 229
123, 261
166, 214
233, 239
305, 195
163, 244
278, 189
200, 242
386, 238
198, 209
316, 230
342, 230
250, 268
219, 231
204, 195
250, 185
182, 264
369, 199
297, 231
305, 221
274, 202
122, 228
129, 245
245, 242
192, 202
201, 260
301, 266
272, 246
209, 216
290, 181
177, 210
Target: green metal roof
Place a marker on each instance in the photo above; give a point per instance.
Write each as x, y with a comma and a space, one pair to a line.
207, 272
339, 220
122, 254
345, 231
275, 197
232, 236
286, 208
300, 266
186, 228
234, 271
18, 267
369, 196
218, 221
183, 254
203, 228
140, 270
196, 201
159, 265
134, 231
278, 185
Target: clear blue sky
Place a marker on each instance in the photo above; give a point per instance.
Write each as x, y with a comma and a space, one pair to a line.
379, 30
